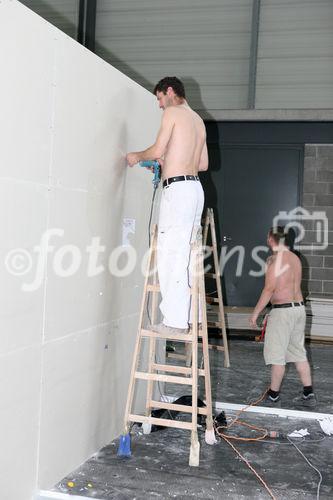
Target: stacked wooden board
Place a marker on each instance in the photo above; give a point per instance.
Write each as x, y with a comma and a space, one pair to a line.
319, 313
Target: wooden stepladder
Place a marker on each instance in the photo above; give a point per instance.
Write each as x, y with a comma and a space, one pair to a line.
209, 227
168, 373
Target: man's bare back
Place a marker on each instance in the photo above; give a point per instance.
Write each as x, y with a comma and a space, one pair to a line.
283, 275
187, 141
288, 271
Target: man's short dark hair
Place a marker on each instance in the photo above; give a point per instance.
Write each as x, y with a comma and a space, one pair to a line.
278, 234
170, 81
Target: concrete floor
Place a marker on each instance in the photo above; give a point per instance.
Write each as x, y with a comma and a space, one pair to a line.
159, 467
248, 376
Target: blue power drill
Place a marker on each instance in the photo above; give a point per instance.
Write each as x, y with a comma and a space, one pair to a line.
156, 170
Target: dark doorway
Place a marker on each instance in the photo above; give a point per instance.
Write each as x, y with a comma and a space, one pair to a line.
258, 183
256, 171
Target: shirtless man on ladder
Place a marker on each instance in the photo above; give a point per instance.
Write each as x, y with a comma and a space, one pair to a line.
181, 147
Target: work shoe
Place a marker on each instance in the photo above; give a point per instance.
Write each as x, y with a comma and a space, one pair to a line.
167, 330
308, 401
270, 402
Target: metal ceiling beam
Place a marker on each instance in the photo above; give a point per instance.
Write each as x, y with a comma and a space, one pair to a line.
251, 102
87, 23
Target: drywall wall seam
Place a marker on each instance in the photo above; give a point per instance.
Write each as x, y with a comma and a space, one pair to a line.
52, 121
20, 349
23, 181
89, 329
73, 189
79, 332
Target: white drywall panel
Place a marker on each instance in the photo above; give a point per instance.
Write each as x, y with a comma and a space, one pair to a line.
23, 218
74, 302
65, 168
75, 411
95, 123
99, 115
84, 394
28, 71
19, 417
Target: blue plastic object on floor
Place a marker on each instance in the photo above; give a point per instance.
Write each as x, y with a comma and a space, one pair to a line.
124, 449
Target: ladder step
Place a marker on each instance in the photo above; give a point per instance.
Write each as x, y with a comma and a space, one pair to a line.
172, 406
161, 421
176, 369
185, 337
175, 355
164, 378
172, 368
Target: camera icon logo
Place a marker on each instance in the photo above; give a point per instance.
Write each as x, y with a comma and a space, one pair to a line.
295, 220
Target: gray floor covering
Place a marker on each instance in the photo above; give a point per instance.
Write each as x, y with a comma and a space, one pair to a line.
159, 467
248, 377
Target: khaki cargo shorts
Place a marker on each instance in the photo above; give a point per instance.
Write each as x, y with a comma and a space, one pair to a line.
284, 336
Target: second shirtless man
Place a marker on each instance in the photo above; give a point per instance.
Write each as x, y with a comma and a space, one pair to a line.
181, 149
284, 336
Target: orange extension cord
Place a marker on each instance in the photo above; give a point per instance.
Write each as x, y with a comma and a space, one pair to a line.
228, 437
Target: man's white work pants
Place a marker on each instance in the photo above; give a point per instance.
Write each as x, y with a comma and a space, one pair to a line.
179, 221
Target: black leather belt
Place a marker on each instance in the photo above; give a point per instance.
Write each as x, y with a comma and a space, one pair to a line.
178, 178
288, 304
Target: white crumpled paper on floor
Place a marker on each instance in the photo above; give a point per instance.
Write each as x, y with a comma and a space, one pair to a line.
327, 425
299, 434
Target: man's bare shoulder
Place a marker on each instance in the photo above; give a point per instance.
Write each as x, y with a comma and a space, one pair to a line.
295, 259
180, 110
169, 112
183, 115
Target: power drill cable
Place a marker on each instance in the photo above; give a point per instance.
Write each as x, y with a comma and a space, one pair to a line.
151, 214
